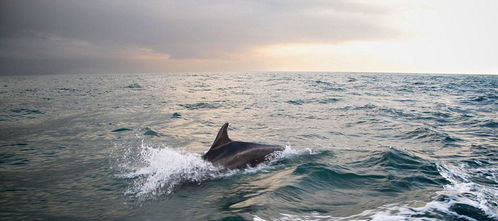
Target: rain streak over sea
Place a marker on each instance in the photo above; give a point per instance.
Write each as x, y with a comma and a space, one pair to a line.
358, 146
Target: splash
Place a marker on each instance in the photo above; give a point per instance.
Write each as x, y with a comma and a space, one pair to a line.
157, 171
288, 153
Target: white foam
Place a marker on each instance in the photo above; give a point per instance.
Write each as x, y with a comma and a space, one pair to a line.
483, 196
159, 170
288, 153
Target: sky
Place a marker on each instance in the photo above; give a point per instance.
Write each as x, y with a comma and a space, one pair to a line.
130, 36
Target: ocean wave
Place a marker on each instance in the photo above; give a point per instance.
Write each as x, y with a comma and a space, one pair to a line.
297, 102
25, 111
309, 101
319, 175
150, 132
485, 99
490, 124
441, 116
460, 199
429, 135
381, 177
20, 113
328, 86
200, 105
397, 159
134, 86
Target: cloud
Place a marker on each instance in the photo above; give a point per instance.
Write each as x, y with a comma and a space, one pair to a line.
65, 35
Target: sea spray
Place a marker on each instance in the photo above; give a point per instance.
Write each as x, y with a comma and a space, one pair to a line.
159, 170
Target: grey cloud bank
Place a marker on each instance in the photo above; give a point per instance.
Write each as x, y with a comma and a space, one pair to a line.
63, 36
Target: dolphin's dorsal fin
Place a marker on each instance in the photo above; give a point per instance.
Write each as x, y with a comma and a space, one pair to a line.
222, 137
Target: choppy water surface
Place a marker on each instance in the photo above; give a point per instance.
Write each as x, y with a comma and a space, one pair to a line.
358, 146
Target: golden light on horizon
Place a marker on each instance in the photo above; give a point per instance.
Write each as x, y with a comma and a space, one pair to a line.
443, 36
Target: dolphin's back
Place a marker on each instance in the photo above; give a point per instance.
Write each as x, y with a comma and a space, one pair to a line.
237, 155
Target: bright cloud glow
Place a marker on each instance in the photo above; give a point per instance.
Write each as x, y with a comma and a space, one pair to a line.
437, 36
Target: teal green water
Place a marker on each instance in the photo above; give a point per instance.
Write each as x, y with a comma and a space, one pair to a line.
359, 146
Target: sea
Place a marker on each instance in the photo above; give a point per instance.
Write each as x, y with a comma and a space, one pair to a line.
358, 146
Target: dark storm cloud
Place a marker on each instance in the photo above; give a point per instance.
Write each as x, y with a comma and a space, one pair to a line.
49, 36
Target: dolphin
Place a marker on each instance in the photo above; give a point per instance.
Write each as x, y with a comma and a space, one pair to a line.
236, 154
